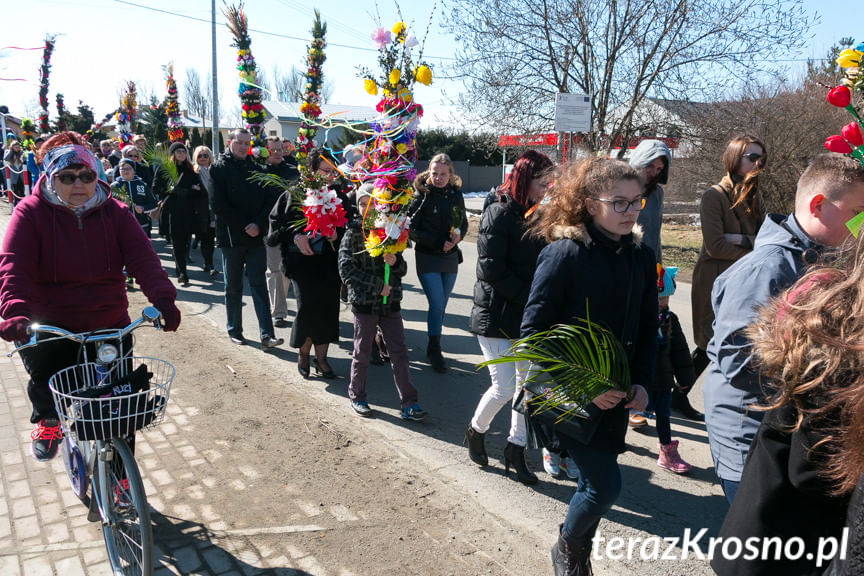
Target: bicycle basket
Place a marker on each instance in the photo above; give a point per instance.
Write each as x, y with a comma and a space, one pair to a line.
91, 409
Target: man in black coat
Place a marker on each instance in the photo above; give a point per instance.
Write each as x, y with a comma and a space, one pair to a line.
242, 208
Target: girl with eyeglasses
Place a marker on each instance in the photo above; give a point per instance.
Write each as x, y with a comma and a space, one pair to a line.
731, 213
595, 266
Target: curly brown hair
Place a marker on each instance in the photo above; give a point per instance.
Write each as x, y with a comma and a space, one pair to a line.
581, 179
809, 344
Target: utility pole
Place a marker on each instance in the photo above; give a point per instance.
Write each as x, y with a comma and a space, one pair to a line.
215, 96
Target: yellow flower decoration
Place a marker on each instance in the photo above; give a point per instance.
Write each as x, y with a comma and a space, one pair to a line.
370, 86
401, 148
395, 75
404, 94
423, 75
398, 27
849, 58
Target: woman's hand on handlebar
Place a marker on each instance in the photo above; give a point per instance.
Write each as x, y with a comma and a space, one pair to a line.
170, 314
15, 328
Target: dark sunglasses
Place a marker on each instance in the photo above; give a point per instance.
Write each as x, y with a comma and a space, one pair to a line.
203, 155
69, 178
752, 157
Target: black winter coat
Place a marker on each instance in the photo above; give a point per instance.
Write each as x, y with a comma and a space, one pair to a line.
586, 272
434, 211
506, 259
237, 202
674, 363
853, 563
782, 494
183, 200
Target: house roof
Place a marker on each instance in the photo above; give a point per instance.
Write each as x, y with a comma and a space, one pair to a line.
681, 108
290, 111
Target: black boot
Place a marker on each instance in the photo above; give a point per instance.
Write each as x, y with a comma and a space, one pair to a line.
515, 456
476, 448
571, 559
433, 352
681, 404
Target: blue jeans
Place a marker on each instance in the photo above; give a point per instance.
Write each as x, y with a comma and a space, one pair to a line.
730, 488
599, 487
437, 286
254, 260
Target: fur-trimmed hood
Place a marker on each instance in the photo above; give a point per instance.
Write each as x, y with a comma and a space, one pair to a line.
580, 233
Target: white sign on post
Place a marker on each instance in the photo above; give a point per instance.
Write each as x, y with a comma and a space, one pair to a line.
572, 112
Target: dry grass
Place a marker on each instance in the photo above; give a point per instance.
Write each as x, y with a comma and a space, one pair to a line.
681, 245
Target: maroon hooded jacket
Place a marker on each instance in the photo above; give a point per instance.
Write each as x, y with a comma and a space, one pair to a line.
60, 269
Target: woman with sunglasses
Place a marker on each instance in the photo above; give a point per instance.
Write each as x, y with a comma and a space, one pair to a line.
181, 200
730, 213
62, 263
202, 158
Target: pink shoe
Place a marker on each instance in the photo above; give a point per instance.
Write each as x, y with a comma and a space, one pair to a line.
671, 460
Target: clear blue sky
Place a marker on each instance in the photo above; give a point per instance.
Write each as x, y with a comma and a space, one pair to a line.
103, 43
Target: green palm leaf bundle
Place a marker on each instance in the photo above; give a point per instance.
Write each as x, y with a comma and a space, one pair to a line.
298, 195
575, 363
163, 164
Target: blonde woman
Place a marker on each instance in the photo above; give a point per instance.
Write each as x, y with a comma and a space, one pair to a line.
202, 158
438, 224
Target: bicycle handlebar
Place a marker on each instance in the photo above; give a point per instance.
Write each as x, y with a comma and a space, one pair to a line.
149, 314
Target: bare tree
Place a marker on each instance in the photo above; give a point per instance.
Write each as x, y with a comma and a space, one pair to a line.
197, 98
515, 55
288, 86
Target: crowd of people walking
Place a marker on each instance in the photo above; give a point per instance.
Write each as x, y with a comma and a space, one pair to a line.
775, 303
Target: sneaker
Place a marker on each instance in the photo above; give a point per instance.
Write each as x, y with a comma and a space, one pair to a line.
637, 420
46, 439
268, 342
213, 272
670, 459
568, 466
239, 340
413, 412
361, 408
551, 462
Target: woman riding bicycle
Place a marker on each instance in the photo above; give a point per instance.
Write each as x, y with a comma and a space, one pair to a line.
62, 263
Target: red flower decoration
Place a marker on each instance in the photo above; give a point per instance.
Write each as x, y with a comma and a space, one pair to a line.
852, 134
839, 96
837, 144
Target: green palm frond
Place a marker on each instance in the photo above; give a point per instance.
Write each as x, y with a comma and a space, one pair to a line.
580, 361
298, 194
163, 164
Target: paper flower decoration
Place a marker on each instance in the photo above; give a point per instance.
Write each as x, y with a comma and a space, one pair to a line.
850, 141
172, 107
381, 37
839, 96
323, 211
424, 75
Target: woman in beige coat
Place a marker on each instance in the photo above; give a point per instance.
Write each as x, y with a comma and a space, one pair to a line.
731, 213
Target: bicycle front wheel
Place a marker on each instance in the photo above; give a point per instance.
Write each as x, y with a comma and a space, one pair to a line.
125, 513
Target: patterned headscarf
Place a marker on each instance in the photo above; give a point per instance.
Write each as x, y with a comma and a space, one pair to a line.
67, 155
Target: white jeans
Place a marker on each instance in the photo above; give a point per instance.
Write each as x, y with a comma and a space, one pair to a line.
506, 381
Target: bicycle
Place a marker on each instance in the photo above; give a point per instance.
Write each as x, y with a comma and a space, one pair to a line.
101, 404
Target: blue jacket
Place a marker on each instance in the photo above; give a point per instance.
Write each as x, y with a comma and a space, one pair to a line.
586, 272
731, 385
